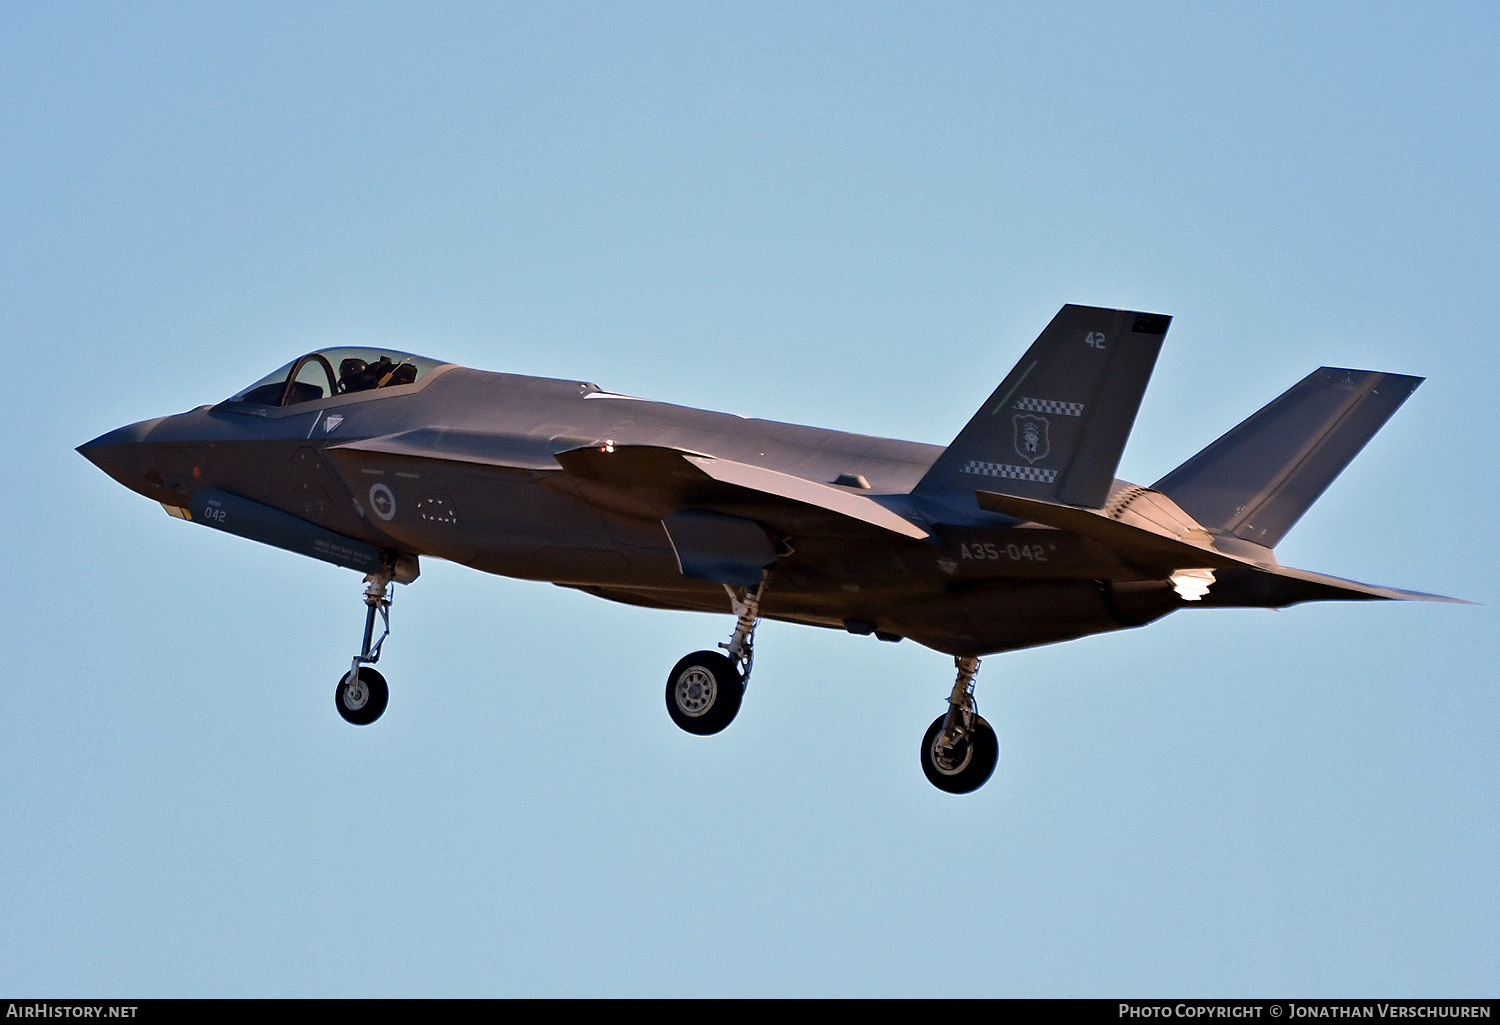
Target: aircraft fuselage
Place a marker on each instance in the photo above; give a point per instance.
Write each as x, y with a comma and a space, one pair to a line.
1015, 534
474, 479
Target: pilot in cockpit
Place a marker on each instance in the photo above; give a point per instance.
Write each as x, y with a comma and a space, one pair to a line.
357, 375
352, 375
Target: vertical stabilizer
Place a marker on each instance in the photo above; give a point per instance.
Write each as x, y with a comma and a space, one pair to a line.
1055, 428
1256, 481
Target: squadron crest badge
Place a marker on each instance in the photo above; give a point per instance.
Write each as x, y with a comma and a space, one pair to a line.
1032, 442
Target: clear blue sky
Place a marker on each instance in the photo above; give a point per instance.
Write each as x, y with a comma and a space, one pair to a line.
852, 215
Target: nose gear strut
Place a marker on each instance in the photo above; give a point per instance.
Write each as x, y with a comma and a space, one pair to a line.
380, 588
362, 694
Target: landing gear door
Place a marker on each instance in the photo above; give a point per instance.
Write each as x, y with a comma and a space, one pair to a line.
724, 549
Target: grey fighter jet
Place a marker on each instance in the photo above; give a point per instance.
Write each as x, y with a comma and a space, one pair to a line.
1016, 534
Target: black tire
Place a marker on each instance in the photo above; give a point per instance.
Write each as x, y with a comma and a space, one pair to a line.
704, 692
972, 762
362, 712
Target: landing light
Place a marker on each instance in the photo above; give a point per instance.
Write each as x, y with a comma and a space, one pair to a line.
1192, 584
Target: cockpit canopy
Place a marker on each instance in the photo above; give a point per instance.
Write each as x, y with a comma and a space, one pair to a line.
330, 372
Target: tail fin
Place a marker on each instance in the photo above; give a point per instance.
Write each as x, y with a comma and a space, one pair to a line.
1056, 426
1256, 481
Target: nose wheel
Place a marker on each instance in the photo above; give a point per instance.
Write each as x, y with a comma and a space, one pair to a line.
361, 696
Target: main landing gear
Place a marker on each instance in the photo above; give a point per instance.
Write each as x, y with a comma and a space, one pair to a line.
960, 749
362, 693
705, 688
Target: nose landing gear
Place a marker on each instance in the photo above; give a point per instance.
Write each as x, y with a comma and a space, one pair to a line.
362, 694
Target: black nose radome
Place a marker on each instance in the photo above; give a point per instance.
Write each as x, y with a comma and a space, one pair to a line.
122, 453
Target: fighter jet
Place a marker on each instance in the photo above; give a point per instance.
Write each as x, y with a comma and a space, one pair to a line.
1014, 535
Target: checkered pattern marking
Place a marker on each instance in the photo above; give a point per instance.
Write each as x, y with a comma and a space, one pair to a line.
1050, 406
1033, 473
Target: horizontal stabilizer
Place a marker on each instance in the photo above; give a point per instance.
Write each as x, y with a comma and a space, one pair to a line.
1341, 589
1055, 428
1247, 581
1143, 547
1256, 481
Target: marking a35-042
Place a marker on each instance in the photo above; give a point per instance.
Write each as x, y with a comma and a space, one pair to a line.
1013, 552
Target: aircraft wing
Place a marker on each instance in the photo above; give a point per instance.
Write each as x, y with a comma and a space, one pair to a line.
664, 480
452, 445
719, 513
807, 492
680, 480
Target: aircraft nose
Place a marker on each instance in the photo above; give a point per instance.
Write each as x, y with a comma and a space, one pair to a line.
122, 452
